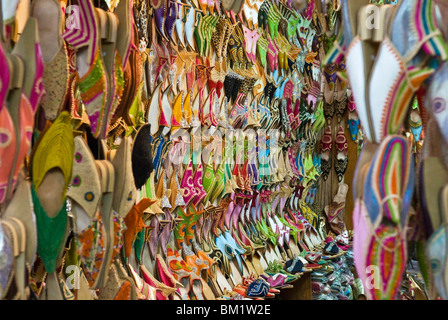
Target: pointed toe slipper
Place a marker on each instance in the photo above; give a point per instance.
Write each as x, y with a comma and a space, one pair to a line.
55, 56
124, 180
51, 172
85, 187
142, 160
21, 207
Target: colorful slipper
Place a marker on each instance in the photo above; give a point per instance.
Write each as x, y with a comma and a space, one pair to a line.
341, 159
8, 132
388, 195
85, 187
107, 27
24, 100
51, 170
92, 78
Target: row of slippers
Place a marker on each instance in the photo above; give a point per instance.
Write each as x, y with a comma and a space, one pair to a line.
54, 206
107, 100
90, 180
383, 117
82, 203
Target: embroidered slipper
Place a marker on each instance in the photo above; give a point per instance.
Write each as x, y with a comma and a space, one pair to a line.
165, 275
51, 166
341, 159
326, 146
181, 272
92, 78
85, 187
387, 197
124, 179
108, 29
142, 159
55, 56
132, 73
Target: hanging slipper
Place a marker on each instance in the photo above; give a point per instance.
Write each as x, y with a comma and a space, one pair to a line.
134, 223
116, 288
334, 210
21, 207
353, 119
181, 272
107, 27
341, 159
131, 69
28, 48
124, 179
142, 161
92, 78
387, 196
50, 208
85, 188
23, 102
326, 159
107, 178
55, 56
51, 166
